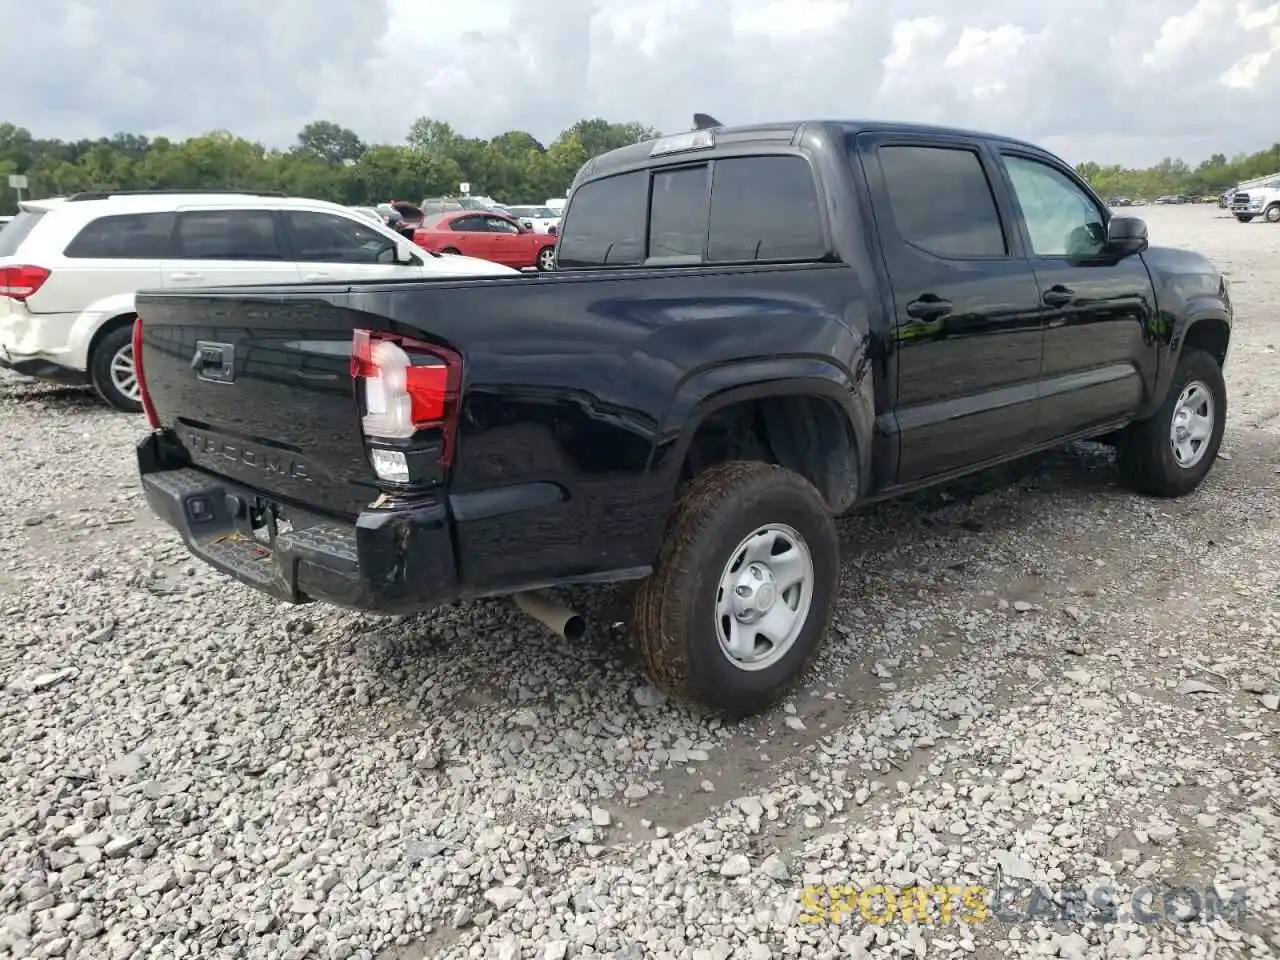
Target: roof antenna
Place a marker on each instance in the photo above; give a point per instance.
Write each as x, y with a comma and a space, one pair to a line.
704, 121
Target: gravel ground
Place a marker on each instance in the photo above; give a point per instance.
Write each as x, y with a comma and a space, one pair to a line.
1034, 678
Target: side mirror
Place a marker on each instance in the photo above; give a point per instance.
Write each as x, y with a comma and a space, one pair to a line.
1126, 236
404, 252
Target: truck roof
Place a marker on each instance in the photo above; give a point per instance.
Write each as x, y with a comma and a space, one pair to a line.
637, 154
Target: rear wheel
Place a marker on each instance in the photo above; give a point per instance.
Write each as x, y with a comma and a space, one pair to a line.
547, 259
453, 250
1171, 452
743, 589
112, 371
1273, 213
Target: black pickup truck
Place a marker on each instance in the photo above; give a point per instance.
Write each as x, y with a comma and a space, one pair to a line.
751, 331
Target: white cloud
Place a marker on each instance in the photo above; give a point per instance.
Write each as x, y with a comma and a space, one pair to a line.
1123, 82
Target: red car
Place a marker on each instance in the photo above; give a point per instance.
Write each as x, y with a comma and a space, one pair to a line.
488, 236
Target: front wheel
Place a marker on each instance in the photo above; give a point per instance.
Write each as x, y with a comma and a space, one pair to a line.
743, 590
452, 251
1243, 218
112, 371
547, 259
1273, 213
1171, 452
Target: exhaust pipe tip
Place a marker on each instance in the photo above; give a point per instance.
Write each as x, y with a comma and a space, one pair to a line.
559, 619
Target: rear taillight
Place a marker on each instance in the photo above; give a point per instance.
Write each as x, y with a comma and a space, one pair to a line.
19, 282
147, 407
405, 387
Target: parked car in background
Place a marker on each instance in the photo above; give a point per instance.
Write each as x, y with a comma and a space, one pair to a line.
370, 213
1259, 200
1120, 202
489, 236
70, 267
537, 219
557, 204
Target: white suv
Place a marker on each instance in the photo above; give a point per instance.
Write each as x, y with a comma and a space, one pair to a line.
69, 268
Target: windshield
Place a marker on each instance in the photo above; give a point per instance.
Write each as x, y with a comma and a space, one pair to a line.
15, 231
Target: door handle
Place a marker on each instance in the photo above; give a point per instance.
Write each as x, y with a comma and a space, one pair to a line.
184, 275
1058, 296
928, 307
317, 276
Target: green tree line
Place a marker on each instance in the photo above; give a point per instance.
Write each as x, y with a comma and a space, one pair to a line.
330, 162
1172, 177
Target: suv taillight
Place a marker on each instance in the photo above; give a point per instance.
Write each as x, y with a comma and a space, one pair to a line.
405, 387
147, 407
19, 282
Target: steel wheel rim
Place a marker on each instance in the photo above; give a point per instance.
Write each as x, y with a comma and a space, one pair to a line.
124, 376
1192, 425
764, 596
547, 259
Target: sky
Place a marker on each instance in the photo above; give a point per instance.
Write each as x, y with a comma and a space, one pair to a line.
1119, 82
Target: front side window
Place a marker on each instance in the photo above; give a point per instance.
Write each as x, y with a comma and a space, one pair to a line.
470, 225
326, 238
130, 236
941, 201
1061, 219
500, 225
227, 235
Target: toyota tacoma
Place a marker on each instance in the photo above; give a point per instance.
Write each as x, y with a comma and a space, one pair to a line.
751, 330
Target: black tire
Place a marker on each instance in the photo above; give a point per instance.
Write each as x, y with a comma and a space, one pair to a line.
674, 609
454, 250
1144, 451
1242, 218
104, 352
546, 261
1272, 213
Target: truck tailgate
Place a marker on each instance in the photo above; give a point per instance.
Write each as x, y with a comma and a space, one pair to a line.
258, 390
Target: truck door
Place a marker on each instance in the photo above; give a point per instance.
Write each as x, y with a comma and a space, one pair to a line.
1099, 353
966, 308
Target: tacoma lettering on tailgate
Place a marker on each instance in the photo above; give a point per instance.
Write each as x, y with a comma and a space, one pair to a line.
271, 462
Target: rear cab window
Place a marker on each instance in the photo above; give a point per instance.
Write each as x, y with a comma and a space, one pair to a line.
730, 210
13, 233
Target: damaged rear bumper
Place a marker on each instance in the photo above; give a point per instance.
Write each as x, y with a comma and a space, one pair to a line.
392, 561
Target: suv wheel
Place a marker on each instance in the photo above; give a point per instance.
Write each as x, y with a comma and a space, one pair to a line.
1170, 453
547, 259
112, 372
743, 590
1273, 213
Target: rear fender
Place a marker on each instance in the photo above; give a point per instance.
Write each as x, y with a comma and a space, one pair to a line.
92, 319
707, 391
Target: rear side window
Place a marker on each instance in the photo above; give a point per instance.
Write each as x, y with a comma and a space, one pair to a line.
942, 202
678, 213
16, 230
606, 223
132, 236
227, 235
764, 208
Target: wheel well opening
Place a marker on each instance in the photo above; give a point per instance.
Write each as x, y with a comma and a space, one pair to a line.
1211, 336
115, 323
805, 433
